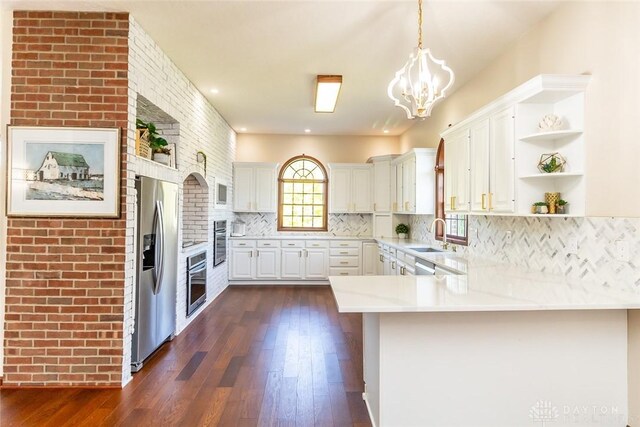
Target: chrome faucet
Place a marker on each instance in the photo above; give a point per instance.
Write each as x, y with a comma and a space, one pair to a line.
432, 228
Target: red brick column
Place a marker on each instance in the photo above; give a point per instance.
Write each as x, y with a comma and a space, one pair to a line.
65, 277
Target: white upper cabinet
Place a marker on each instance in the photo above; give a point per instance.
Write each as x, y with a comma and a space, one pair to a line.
456, 172
415, 182
492, 156
501, 162
350, 188
479, 165
382, 194
243, 188
254, 187
491, 149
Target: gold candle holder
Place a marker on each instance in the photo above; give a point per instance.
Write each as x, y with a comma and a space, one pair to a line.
551, 199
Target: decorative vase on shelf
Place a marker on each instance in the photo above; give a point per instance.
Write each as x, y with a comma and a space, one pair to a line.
551, 200
543, 209
402, 235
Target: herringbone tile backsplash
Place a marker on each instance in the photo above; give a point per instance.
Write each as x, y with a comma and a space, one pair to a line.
549, 245
266, 224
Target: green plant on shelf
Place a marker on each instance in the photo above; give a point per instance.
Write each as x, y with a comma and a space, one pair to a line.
539, 204
562, 202
157, 143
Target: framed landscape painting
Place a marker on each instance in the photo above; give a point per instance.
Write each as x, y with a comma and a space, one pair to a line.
65, 172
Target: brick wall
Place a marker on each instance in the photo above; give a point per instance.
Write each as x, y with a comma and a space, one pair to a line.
65, 277
195, 206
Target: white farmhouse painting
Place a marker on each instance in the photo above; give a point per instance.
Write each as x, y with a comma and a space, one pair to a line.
63, 171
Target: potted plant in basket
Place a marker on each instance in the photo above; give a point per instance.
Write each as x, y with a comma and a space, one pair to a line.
157, 144
561, 207
402, 230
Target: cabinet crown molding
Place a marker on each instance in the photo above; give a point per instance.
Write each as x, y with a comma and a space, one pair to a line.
544, 88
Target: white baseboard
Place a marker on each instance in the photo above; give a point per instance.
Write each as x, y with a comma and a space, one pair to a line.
279, 282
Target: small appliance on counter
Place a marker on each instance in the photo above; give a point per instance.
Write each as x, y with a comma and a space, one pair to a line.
238, 228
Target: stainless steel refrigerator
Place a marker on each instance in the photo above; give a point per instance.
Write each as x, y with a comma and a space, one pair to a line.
157, 246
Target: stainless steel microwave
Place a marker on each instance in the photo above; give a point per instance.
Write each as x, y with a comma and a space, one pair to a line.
221, 194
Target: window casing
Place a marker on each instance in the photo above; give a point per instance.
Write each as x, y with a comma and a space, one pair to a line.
302, 195
457, 225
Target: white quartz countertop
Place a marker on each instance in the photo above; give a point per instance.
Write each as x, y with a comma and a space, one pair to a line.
488, 288
481, 285
300, 237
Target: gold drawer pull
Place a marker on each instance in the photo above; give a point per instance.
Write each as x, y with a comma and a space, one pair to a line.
344, 262
483, 201
344, 274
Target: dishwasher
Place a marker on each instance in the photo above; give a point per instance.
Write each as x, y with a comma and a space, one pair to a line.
427, 268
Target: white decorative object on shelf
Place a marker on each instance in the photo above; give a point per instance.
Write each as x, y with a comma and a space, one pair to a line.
550, 122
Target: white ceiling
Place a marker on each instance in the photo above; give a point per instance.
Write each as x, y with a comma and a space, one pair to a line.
263, 56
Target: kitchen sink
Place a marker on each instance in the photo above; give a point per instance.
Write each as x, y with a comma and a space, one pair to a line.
425, 249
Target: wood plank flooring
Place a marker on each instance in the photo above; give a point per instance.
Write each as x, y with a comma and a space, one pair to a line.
257, 356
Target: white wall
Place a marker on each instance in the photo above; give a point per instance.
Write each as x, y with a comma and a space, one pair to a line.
600, 38
153, 75
326, 148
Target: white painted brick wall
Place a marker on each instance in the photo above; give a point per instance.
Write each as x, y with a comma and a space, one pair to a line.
201, 128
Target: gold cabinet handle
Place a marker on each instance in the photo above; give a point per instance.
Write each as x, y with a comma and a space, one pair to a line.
344, 274
375, 207
381, 258
490, 201
452, 203
483, 201
395, 206
344, 262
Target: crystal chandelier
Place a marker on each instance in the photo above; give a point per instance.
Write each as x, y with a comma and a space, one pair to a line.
422, 81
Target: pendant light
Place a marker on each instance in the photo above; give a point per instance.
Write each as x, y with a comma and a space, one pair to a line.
422, 81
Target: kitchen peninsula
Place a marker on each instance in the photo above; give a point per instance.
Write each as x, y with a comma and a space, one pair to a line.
492, 346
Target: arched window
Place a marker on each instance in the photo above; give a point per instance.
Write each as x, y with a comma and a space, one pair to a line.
457, 225
302, 195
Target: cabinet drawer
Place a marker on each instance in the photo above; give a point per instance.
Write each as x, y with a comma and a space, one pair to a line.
409, 259
317, 244
293, 243
347, 261
346, 271
268, 243
243, 243
345, 244
400, 255
344, 251
392, 251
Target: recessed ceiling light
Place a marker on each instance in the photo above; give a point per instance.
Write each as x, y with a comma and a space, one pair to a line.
307, 130
386, 131
243, 129
327, 91
214, 91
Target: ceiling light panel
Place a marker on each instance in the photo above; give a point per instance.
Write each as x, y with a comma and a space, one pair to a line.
327, 91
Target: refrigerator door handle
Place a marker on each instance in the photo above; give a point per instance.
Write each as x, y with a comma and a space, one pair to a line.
159, 265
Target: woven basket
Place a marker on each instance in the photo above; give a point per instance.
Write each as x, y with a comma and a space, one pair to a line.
142, 144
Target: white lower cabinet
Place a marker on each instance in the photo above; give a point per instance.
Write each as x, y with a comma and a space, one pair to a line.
267, 263
274, 259
242, 264
316, 263
292, 264
370, 259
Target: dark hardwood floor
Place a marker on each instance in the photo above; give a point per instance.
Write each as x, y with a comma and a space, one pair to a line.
258, 356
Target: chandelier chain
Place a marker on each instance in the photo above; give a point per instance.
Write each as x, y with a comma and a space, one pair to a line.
419, 24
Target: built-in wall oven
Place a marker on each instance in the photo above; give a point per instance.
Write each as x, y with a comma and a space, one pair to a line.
196, 281
220, 242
